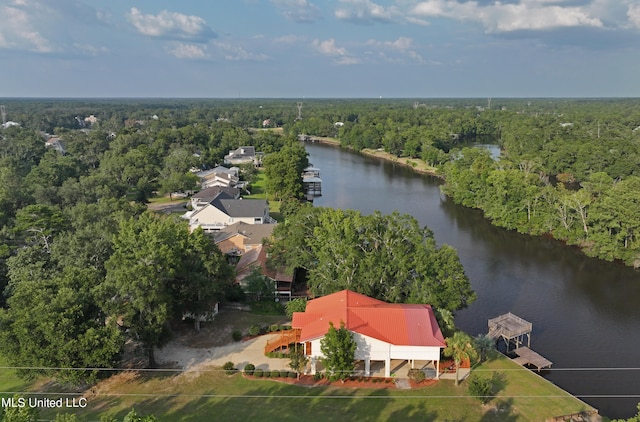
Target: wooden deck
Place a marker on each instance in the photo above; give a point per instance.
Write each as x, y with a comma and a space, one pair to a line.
527, 356
283, 341
511, 328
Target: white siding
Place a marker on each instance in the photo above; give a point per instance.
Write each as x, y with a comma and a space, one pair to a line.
374, 349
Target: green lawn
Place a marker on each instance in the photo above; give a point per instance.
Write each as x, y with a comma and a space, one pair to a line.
209, 395
258, 192
9, 381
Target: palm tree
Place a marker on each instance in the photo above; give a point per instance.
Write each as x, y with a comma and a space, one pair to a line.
483, 344
460, 347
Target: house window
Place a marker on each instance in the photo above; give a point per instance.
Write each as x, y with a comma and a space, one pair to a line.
257, 220
307, 350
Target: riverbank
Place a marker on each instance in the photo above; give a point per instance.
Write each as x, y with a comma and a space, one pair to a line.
415, 164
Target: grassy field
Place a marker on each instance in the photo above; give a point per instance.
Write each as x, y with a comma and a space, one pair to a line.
212, 395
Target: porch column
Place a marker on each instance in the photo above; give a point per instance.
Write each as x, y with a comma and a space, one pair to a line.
387, 367
413, 363
367, 367
313, 365
438, 369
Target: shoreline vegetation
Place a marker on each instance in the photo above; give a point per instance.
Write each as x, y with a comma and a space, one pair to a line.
415, 164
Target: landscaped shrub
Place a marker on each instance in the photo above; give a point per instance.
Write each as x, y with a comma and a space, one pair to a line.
275, 374
254, 330
292, 375
258, 373
249, 368
480, 388
417, 375
317, 376
273, 328
236, 335
267, 374
229, 368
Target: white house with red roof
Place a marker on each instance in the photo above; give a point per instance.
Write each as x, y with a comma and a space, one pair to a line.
382, 331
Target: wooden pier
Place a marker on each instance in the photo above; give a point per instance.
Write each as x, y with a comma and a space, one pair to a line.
513, 330
527, 356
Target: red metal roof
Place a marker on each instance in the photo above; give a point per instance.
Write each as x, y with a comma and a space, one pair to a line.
398, 324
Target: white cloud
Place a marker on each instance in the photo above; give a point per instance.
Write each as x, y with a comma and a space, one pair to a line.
171, 25
402, 47
329, 48
365, 11
89, 50
301, 11
634, 15
186, 51
234, 52
507, 17
20, 29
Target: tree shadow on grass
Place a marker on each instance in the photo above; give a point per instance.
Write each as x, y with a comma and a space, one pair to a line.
502, 411
498, 383
308, 404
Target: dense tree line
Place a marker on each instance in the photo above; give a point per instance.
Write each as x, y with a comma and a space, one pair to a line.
568, 168
389, 257
72, 222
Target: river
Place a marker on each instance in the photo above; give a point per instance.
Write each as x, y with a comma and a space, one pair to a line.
585, 312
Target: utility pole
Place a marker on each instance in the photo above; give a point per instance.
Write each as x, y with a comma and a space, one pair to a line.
299, 105
3, 111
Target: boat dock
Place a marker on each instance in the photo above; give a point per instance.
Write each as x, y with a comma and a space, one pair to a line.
513, 330
527, 356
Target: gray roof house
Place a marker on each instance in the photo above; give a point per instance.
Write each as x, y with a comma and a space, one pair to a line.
224, 212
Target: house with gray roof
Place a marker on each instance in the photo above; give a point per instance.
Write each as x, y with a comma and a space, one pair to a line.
225, 212
206, 196
244, 155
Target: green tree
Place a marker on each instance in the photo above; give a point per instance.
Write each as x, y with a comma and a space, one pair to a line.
54, 322
297, 359
460, 348
20, 413
37, 224
480, 388
483, 345
298, 304
139, 287
284, 171
205, 279
387, 257
338, 348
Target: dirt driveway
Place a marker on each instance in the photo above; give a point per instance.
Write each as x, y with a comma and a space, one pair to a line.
214, 345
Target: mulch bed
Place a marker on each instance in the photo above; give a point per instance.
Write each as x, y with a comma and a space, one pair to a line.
354, 382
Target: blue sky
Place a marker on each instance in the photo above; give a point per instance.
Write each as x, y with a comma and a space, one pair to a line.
319, 48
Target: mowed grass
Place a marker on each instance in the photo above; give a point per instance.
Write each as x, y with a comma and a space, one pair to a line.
258, 191
210, 394
10, 383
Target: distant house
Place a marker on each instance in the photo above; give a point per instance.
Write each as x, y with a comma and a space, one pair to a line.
382, 331
219, 176
257, 258
56, 143
224, 212
240, 237
206, 196
9, 124
244, 155
91, 120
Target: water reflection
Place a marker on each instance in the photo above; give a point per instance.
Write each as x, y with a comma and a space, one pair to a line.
584, 311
